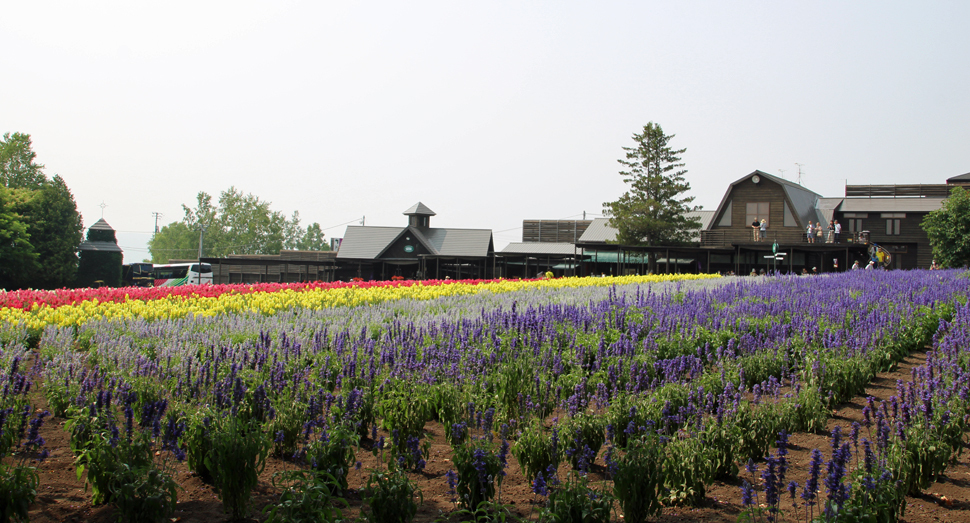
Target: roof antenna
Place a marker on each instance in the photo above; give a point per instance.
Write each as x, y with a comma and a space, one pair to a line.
782, 171
103, 205
799, 180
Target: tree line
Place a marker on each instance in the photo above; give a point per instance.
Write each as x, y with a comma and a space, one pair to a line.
40, 227
236, 224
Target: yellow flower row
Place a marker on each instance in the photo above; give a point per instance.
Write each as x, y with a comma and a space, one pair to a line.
288, 299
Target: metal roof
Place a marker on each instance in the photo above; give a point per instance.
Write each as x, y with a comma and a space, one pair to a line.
99, 246
362, 242
101, 225
959, 178
540, 248
825, 209
704, 216
891, 204
419, 209
368, 243
459, 242
599, 231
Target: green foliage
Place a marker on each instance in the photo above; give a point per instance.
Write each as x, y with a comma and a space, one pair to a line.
238, 224
18, 169
333, 453
948, 229
121, 469
638, 481
688, 470
536, 449
653, 210
583, 437
487, 512
479, 468
175, 241
18, 480
40, 228
236, 459
574, 501
198, 443
307, 496
143, 496
16, 251
55, 228
391, 497
18, 489
404, 412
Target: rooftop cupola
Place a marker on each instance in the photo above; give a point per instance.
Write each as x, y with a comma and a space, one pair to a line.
419, 215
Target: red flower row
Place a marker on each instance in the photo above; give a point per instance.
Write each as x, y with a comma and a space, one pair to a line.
26, 299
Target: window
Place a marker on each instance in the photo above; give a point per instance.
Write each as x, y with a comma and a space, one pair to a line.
893, 215
892, 227
757, 211
855, 225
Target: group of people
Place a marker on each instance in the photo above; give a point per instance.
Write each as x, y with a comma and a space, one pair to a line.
759, 229
816, 234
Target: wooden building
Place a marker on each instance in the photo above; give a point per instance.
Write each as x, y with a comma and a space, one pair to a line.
285, 267
553, 231
786, 207
890, 215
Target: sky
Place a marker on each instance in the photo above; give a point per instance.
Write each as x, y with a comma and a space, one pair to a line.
489, 113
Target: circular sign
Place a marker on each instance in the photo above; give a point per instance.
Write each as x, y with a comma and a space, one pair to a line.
409, 248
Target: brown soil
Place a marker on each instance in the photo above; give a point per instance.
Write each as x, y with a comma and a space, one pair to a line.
63, 498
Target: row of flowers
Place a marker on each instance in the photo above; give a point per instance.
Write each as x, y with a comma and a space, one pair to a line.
29, 298
206, 300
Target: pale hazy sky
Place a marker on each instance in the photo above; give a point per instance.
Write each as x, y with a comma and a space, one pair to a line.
488, 112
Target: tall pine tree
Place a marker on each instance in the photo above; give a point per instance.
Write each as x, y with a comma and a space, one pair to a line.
653, 211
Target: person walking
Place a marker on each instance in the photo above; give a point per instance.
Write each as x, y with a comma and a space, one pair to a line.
838, 230
811, 232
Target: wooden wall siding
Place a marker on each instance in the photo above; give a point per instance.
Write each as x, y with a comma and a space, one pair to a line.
554, 231
740, 229
919, 254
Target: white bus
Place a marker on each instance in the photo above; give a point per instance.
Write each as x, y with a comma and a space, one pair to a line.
175, 274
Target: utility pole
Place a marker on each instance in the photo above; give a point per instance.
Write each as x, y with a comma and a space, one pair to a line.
202, 229
157, 215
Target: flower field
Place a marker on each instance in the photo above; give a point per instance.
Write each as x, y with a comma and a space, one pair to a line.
649, 393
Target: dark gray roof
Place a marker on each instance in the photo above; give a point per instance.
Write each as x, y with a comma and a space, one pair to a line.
825, 209
891, 204
99, 246
959, 178
802, 199
419, 209
367, 242
540, 248
101, 225
459, 242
